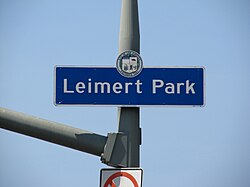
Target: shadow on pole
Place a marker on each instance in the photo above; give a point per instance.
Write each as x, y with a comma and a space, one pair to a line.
53, 132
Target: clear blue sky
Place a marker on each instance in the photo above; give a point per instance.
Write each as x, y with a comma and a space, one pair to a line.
182, 147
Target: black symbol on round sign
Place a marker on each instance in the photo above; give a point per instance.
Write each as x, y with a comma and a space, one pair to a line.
129, 64
110, 181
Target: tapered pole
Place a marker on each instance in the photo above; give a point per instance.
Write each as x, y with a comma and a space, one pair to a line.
53, 132
129, 37
129, 117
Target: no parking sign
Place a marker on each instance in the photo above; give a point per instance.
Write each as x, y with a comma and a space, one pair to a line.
127, 177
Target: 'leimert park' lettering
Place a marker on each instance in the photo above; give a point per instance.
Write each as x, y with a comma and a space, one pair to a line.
158, 85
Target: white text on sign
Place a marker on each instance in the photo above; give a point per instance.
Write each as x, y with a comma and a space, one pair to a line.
90, 87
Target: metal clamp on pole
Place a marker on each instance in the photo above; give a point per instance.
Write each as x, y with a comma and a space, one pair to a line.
116, 150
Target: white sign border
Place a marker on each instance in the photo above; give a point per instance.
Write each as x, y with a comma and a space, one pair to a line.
114, 105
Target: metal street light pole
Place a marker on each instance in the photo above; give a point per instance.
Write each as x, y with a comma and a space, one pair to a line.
129, 117
123, 148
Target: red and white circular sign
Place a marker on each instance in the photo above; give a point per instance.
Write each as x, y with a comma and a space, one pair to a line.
129, 177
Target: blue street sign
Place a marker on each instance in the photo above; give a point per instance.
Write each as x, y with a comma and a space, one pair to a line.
173, 86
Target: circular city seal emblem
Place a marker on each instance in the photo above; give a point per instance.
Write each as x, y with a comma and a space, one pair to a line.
129, 64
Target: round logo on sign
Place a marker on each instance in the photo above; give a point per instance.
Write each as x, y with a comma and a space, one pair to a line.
129, 64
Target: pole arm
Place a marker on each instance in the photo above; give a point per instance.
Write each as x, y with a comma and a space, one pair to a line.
53, 132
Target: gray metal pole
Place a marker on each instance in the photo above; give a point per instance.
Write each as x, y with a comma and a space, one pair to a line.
129, 37
52, 132
129, 117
